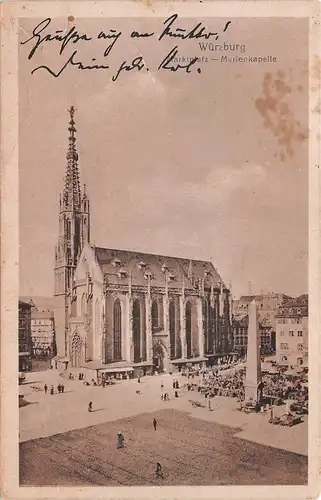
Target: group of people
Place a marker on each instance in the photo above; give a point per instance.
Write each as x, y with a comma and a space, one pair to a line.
60, 389
283, 386
213, 383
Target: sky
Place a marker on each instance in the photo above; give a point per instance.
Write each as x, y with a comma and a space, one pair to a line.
210, 165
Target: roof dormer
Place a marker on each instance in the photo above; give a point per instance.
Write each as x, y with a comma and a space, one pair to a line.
116, 262
122, 273
142, 265
148, 275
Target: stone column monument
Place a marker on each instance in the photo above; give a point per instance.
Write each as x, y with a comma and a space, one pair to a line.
253, 363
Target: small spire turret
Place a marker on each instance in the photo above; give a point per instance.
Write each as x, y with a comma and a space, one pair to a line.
71, 193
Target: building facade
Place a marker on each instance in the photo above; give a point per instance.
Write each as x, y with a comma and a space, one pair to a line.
267, 306
122, 309
292, 332
42, 333
24, 336
240, 336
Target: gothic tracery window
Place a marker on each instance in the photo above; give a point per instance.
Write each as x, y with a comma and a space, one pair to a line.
136, 330
154, 315
172, 327
117, 330
189, 329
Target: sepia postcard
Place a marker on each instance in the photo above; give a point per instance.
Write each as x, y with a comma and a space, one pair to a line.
160, 223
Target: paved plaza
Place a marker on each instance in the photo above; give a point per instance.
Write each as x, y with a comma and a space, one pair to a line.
63, 444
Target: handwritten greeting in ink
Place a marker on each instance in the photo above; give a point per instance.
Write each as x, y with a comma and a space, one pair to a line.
172, 29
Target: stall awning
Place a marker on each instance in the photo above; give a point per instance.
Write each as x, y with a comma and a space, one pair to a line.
116, 370
143, 363
190, 361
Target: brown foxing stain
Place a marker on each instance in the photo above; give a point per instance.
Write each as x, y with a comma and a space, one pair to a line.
317, 108
277, 115
315, 70
315, 75
71, 19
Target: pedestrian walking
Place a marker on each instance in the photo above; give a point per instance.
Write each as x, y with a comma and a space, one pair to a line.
155, 424
52, 390
138, 380
209, 404
90, 406
162, 386
176, 394
174, 383
159, 470
120, 440
62, 388
45, 388
59, 388
271, 415
162, 397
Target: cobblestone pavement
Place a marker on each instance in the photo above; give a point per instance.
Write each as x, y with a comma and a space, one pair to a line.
191, 452
46, 415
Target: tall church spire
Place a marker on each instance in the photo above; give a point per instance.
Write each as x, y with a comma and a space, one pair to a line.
72, 193
74, 231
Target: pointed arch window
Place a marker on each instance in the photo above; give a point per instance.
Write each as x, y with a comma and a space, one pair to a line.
188, 312
172, 328
68, 229
83, 304
117, 330
136, 330
154, 315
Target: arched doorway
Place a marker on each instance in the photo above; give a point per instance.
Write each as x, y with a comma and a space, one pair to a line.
136, 330
188, 312
160, 358
75, 351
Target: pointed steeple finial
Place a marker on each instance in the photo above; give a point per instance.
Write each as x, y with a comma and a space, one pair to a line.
71, 194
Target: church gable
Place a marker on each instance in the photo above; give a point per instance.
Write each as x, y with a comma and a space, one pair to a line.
88, 264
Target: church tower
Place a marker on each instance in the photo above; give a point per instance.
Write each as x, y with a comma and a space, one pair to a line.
74, 230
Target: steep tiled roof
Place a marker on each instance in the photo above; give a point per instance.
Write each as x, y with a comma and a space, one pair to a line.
300, 301
24, 304
249, 298
294, 306
138, 264
41, 303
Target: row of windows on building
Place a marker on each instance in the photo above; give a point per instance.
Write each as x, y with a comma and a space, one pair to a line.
138, 332
294, 321
292, 333
42, 339
285, 346
43, 322
42, 330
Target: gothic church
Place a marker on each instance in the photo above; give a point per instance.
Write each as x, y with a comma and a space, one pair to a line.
122, 311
